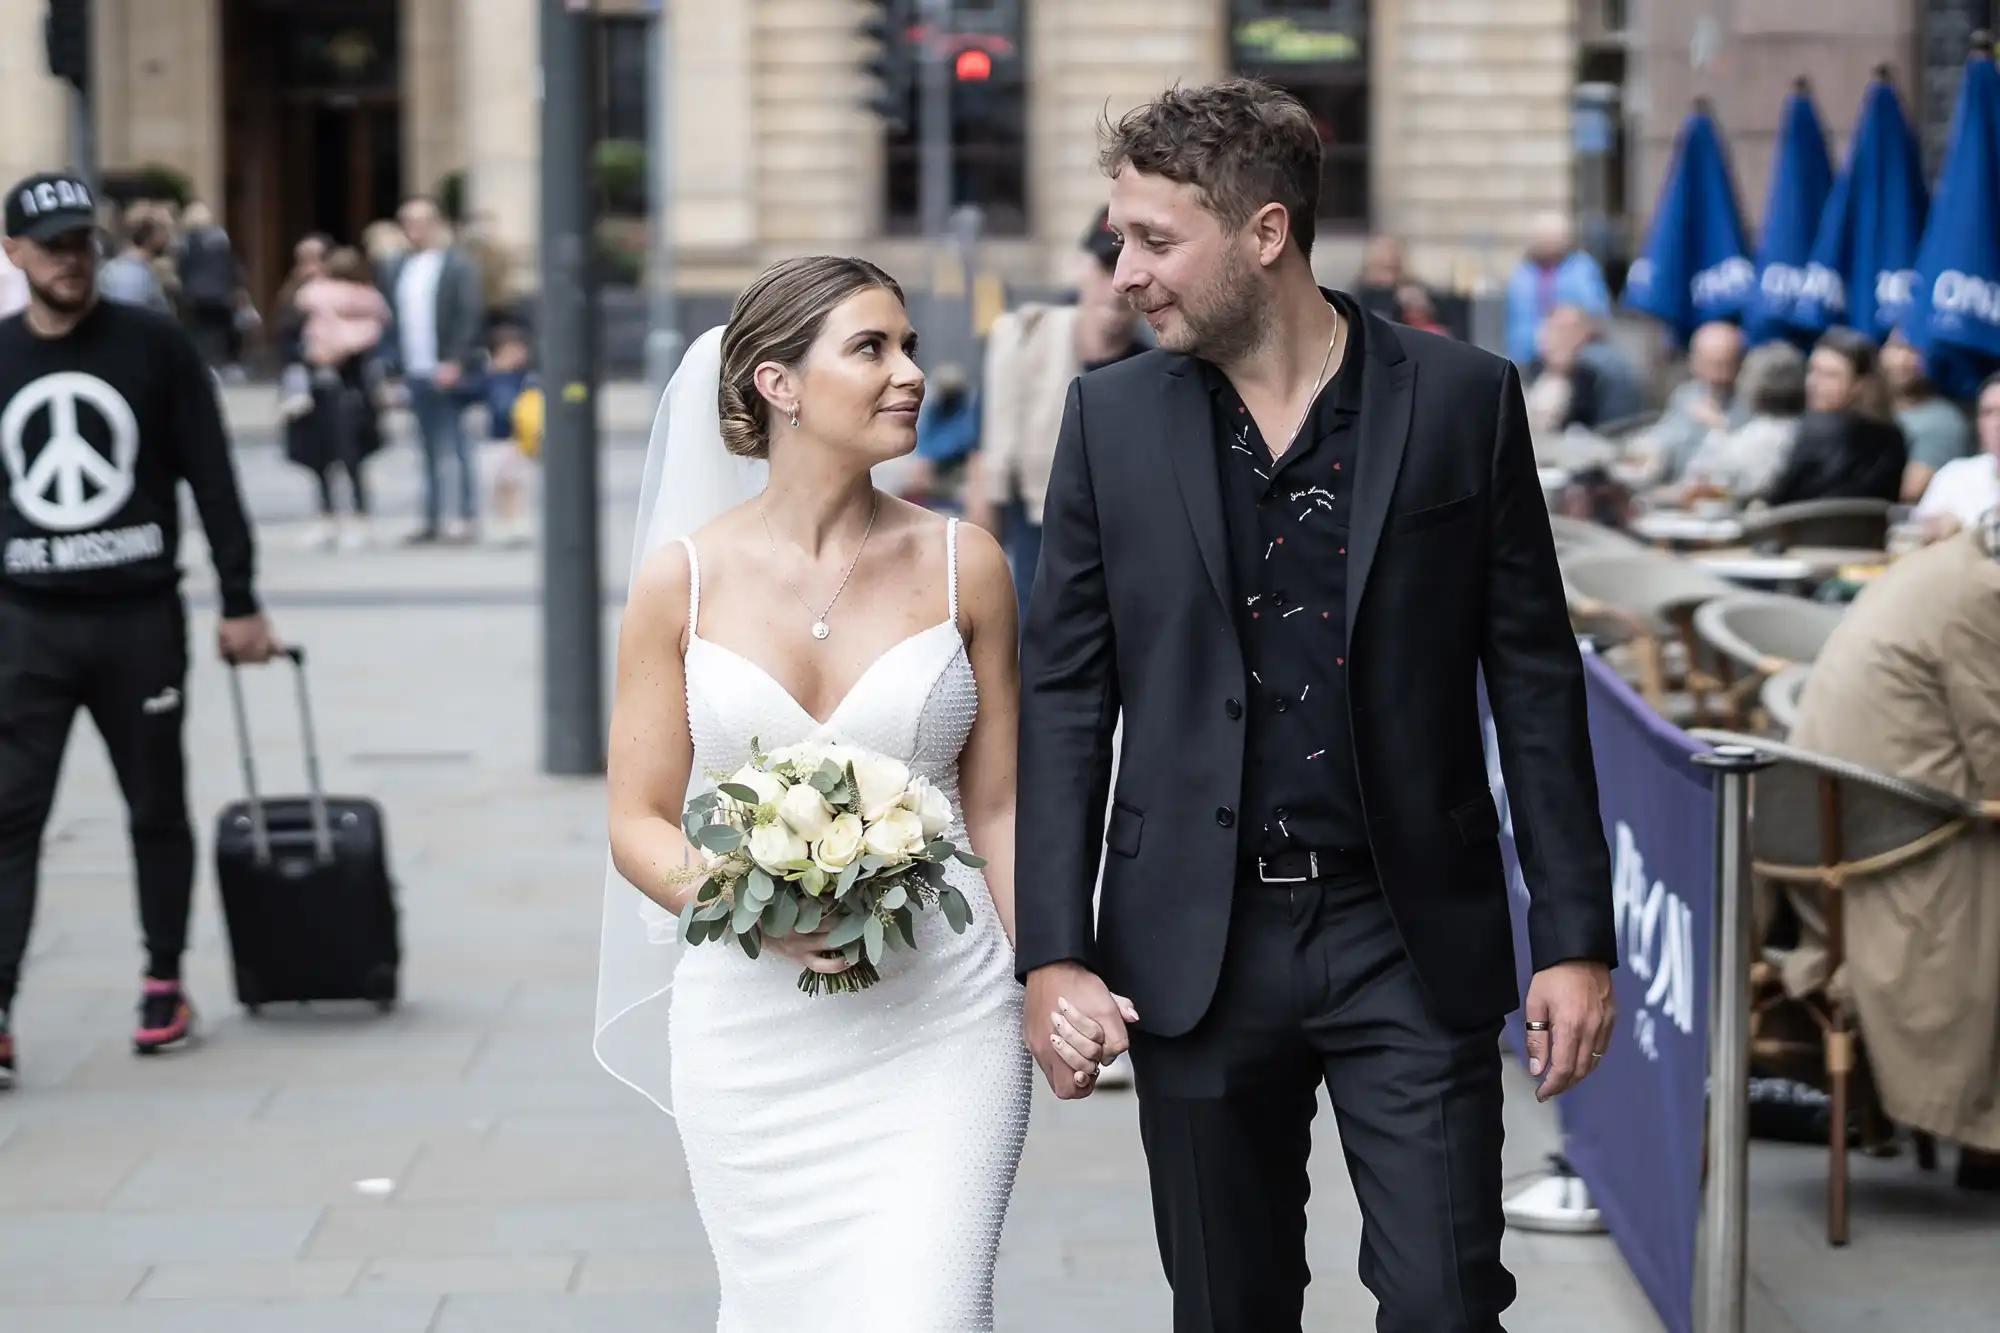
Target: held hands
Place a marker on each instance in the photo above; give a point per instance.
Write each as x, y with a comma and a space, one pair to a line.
1074, 1025
1575, 1003
806, 951
247, 639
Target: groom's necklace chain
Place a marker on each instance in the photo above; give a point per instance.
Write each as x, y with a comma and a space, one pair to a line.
819, 626
1319, 382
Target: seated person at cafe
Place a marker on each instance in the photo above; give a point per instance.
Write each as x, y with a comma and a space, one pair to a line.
1966, 488
1934, 428
1849, 446
1563, 387
1909, 685
1739, 463
1706, 402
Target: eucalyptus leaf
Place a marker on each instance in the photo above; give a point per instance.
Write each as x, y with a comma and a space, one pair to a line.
719, 838
848, 875
760, 886
710, 890
827, 778
846, 931
870, 863
787, 908
938, 850
689, 928
752, 943
852, 951
745, 914
968, 859
736, 791
871, 938
956, 910
906, 925
841, 795
894, 897
810, 915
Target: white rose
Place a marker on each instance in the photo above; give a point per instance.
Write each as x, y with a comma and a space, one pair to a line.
896, 835
806, 811
768, 788
774, 845
929, 805
839, 845
880, 783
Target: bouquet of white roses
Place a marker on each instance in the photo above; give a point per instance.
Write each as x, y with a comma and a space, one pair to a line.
815, 837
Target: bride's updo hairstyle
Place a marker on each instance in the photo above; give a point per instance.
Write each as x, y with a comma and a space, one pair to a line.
778, 318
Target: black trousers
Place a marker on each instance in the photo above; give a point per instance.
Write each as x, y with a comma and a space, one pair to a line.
342, 402
127, 664
1315, 987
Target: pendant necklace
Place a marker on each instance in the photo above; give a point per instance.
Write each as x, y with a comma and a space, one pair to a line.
1318, 381
820, 628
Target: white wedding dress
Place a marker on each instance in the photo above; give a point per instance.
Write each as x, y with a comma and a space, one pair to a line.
852, 1155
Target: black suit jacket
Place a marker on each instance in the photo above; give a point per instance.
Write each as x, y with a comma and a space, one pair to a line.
1452, 569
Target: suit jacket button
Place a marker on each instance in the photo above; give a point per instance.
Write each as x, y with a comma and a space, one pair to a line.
1233, 708
1225, 817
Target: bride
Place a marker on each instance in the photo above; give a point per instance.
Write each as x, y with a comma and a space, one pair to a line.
851, 1155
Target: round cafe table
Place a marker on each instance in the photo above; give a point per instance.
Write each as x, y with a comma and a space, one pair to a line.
1684, 527
1798, 567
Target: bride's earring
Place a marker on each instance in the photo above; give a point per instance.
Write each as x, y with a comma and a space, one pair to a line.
795, 416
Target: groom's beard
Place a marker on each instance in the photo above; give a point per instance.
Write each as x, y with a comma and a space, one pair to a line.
1222, 322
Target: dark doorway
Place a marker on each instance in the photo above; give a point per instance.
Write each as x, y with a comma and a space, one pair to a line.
313, 126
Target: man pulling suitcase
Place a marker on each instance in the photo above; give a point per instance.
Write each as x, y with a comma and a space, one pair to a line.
104, 410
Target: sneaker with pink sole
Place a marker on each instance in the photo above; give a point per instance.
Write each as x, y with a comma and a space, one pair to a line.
166, 1019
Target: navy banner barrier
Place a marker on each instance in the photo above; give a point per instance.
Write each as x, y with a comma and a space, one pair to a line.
1633, 1130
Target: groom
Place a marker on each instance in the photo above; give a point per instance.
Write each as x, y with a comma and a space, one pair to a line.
1286, 544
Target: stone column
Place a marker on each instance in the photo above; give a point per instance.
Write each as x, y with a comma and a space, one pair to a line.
499, 45
431, 106
715, 123
1106, 56
817, 154
163, 103
34, 108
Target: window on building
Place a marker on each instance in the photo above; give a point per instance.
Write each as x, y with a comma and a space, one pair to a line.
1317, 50
989, 115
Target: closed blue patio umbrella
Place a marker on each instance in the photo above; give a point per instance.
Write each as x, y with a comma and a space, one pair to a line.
1864, 257
1801, 178
1694, 267
1955, 302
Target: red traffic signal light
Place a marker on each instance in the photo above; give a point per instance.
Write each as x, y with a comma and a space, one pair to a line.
974, 66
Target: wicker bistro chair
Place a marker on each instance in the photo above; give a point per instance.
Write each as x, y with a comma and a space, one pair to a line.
1862, 524
1758, 635
1645, 602
1577, 535
1780, 698
1819, 820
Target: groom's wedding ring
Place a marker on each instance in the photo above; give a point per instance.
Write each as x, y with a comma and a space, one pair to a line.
1597, 1055
1536, 1025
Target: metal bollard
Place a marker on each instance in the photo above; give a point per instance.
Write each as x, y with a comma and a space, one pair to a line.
1725, 1239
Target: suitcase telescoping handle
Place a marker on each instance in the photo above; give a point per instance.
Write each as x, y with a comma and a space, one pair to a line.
260, 831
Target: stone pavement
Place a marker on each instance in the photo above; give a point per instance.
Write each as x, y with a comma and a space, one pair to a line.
462, 1164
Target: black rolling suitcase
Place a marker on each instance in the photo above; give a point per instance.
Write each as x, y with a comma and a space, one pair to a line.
306, 894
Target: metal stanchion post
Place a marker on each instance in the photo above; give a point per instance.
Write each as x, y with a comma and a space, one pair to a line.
1729, 1044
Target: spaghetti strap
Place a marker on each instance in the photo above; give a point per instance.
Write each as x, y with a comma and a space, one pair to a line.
694, 585
951, 563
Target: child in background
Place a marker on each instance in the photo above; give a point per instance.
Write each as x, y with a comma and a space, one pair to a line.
514, 416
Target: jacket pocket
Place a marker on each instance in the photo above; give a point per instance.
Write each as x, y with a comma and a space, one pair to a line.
1121, 832
1478, 820
1416, 520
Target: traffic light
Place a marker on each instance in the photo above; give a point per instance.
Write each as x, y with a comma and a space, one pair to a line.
66, 29
891, 63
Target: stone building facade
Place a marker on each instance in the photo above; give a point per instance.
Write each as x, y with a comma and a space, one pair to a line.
1467, 106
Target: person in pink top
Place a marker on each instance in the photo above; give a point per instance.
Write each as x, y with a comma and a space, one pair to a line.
344, 318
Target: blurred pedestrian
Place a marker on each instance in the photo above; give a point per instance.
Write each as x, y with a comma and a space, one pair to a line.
1380, 283
1032, 354
14, 295
1562, 388
106, 410
1706, 402
1932, 424
211, 281
1849, 445
131, 277
434, 292
514, 415
1553, 273
344, 319
1966, 488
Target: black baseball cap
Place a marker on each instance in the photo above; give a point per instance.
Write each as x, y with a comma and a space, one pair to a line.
1101, 241
44, 207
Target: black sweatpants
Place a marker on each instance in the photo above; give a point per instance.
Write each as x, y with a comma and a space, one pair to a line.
127, 663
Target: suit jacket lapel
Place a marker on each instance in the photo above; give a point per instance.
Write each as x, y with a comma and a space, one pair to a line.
1386, 381
1188, 423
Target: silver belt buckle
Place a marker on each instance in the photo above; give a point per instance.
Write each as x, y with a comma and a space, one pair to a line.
1312, 872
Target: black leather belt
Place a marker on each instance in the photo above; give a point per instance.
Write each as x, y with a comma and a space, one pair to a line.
1303, 865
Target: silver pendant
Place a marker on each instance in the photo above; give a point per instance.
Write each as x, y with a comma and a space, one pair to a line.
820, 631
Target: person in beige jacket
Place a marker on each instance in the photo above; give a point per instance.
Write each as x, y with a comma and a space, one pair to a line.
1909, 685
1032, 354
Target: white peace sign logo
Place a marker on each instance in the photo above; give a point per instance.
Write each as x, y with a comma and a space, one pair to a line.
51, 492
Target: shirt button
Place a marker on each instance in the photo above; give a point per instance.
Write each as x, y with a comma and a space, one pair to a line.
1281, 703
1233, 708
1225, 816
1278, 597
1281, 814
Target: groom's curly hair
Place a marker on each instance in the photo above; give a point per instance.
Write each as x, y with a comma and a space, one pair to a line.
1242, 143
778, 317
